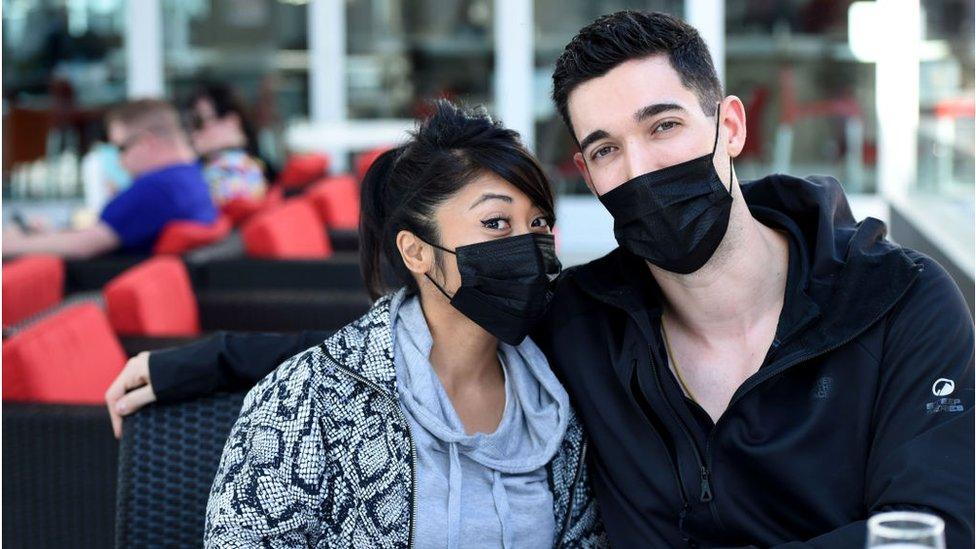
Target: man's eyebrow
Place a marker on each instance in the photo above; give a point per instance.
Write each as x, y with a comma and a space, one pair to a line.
593, 136
656, 109
491, 196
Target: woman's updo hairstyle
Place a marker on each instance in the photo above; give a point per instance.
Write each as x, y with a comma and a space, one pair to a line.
404, 186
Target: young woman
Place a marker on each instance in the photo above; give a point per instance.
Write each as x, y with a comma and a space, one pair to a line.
432, 421
224, 138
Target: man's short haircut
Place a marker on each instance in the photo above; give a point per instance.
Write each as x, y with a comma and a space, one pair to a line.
155, 115
620, 37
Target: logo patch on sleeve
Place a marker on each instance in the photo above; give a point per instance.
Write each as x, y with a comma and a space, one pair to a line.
943, 387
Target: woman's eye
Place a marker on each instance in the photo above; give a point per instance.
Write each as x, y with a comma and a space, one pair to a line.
540, 222
496, 223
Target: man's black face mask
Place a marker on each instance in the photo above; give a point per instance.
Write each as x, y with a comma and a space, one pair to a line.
674, 217
505, 283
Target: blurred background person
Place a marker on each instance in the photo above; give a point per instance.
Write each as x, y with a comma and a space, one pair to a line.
167, 185
224, 137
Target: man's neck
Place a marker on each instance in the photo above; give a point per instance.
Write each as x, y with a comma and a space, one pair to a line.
169, 157
741, 285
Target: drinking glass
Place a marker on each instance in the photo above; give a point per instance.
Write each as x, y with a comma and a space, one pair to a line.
905, 530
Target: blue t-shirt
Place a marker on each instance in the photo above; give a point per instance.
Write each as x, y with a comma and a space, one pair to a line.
177, 192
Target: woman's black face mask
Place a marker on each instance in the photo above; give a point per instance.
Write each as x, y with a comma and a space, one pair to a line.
505, 283
674, 217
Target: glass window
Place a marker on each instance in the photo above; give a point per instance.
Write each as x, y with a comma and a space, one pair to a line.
939, 205
945, 138
809, 101
63, 64
403, 53
258, 46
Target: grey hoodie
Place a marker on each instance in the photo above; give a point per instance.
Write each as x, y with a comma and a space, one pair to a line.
489, 490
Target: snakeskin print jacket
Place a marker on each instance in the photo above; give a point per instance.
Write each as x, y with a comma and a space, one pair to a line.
322, 456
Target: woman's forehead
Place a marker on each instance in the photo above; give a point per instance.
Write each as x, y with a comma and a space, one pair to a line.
490, 183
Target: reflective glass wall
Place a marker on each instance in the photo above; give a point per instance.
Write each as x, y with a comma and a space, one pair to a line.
259, 46
946, 131
63, 63
404, 53
810, 105
810, 97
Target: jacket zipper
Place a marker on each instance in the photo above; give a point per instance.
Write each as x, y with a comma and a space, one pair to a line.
413, 449
769, 373
705, 496
572, 495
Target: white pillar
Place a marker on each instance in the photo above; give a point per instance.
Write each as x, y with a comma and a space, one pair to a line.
327, 67
708, 16
514, 66
144, 48
327, 60
897, 97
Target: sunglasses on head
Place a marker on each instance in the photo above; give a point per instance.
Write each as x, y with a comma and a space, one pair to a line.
128, 143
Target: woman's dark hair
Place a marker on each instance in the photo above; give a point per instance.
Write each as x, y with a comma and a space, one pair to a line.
226, 101
404, 186
620, 37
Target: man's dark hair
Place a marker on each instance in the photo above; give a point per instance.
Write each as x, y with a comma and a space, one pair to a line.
620, 37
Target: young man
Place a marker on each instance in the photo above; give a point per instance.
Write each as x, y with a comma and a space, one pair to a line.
167, 185
753, 366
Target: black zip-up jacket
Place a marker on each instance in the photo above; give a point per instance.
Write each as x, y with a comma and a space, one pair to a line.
864, 402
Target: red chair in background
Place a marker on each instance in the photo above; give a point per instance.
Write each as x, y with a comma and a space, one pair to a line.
31, 285
755, 136
155, 299
179, 237
303, 169
290, 231
366, 159
844, 107
239, 210
337, 201
68, 358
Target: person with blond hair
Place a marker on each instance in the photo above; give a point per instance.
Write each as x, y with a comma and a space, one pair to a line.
168, 185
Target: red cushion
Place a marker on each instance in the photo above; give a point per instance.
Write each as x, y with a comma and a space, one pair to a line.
240, 209
70, 357
31, 285
337, 201
182, 236
302, 169
154, 298
290, 231
365, 160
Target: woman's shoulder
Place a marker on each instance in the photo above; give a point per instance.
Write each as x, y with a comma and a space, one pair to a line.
362, 349
293, 387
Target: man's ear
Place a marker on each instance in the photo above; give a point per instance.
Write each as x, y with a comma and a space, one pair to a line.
417, 255
583, 169
734, 122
